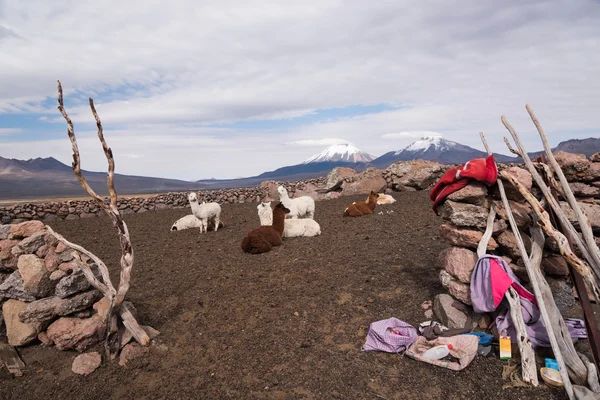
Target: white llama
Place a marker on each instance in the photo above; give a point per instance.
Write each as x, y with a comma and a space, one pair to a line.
300, 207
291, 227
205, 212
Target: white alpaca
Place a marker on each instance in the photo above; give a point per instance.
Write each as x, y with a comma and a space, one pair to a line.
291, 227
205, 212
189, 222
385, 199
301, 207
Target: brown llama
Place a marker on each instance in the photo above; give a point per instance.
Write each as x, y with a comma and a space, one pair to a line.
361, 208
263, 238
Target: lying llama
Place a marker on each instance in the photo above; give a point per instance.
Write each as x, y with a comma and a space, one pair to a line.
385, 199
300, 207
205, 212
190, 221
291, 227
360, 208
263, 238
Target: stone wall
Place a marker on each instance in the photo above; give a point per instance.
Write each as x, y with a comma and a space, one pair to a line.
465, 215
75, 209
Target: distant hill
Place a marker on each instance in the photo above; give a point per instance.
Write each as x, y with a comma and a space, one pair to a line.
43, 177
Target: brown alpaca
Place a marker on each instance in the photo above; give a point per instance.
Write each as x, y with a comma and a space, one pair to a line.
263, 238
362, 207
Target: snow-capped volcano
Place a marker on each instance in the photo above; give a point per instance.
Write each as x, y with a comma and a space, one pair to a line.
430, 143
341, 153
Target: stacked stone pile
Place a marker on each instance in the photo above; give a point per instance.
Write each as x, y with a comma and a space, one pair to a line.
465, 215
43, 293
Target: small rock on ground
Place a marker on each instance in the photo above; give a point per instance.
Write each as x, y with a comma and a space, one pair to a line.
85, 364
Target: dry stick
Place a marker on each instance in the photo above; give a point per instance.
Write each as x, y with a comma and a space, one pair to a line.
113, 212
560, 214
487, 235
584, 223
536, 289
576, 368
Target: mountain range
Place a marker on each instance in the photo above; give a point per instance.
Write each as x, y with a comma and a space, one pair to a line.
48, 177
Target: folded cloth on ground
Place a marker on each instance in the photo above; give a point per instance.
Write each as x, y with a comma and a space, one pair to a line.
390, 335
464, 348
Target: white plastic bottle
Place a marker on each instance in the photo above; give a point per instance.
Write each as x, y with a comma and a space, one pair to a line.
437, 352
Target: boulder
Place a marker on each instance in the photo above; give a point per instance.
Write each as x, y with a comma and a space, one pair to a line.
7, 259
508, 242
75, 333
131, 352
580, 189
369, 180
592, 211
74, 283
51, 261
464, 237
43, 337
459, 262
29, 245
521, 175
12, 288
457, 289
499, 226
269, 188
555, 265
73, 266
52, 307
417, 174
85, 364
474, 193
462, 214
447, 314
595, 157
36, 278
309, 190
60, 247
577, 167
520, 211
18, 333
4, 231
25, 229
337, 176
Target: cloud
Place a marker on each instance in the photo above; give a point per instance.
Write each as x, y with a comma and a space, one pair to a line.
319, 142
8, 131
413, 134
176, 74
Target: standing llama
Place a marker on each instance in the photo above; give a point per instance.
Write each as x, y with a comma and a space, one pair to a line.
291, 227
263, 238
205, 212
361, 208
300, 207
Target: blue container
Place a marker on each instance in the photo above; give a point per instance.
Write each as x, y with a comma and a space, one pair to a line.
551, 363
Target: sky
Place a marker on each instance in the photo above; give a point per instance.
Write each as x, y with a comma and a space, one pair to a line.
200, 89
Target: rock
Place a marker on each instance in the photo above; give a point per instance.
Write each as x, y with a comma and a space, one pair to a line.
521, 175
52, 307
473, 193
51, 261
426, 305
592, 211
555, 265
4, 231
150, 331
36, 279
508, 242
57, 275
595, 157
337, 176
562, 293
7, 259
65, 256
60, 247
25, 229
43, 251
309, 190
369, 180
75, 333
576, 167
447, 314
417, 174
85, 364
43, 337
484, 322
71, 266
499, 226
102, 307
462, 214
29, 245
131, 352
580, 189
459, 290
520, 211
12, 288
459, 262
464, 237
18, 333
74, 283
269, 188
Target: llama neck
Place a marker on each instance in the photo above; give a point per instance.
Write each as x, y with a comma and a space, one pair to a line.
278, 220
371, 203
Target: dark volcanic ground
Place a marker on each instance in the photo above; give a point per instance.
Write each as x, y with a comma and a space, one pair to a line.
288, 324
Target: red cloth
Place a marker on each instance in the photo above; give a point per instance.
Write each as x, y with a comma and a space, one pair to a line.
480, 169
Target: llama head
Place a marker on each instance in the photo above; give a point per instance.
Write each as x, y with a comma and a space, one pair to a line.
282, 207
264, 204
282, 191
192, 197
372, 197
